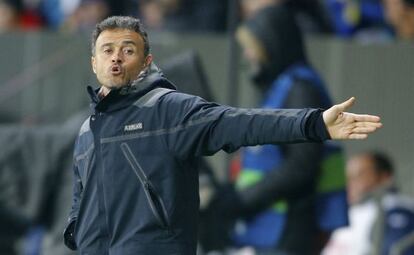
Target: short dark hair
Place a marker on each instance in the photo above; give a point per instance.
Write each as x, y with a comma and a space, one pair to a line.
123, 22
382, 162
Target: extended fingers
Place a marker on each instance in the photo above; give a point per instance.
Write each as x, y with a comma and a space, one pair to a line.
354, 126
358, 136
364, 130
365, 127
368, 124
366, 118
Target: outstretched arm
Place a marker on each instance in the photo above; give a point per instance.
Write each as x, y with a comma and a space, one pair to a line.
344, 125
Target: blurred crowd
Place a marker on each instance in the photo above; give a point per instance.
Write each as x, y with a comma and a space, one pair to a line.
368, 20
82, 15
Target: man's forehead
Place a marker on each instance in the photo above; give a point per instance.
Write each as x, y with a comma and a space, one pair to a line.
118, 35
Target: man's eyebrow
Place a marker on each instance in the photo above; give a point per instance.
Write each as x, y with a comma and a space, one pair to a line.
106, 44
129, 42
123, 42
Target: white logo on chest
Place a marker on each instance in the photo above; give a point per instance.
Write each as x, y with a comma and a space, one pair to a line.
133, 127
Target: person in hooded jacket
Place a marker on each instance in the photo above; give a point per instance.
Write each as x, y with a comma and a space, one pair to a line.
283, 197
135, 190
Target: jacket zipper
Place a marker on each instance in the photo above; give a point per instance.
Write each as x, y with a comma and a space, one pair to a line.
156, 204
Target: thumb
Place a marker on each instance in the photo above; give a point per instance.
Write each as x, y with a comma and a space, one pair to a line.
342, 107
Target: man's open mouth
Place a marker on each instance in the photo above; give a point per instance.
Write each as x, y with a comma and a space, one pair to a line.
116, 69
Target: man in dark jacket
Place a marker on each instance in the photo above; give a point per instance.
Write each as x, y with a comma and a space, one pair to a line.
135, 191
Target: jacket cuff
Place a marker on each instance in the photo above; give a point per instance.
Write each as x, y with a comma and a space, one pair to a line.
316, 127
68, 235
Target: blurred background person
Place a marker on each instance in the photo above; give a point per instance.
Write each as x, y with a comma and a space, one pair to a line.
400, 15
9, 16
184, 15
152, 14
31, 17
309, 14
359, 19
18, 15
381, 219
276, 195
87, 15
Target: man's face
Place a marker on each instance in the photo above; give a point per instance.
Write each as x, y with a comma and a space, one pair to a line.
253, 50
7, 17
394, 10
119, 57
251, 7
362, 178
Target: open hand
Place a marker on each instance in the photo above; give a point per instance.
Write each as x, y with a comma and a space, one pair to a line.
345, 125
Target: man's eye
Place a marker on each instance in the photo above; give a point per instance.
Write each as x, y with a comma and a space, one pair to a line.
128, 51
107, 51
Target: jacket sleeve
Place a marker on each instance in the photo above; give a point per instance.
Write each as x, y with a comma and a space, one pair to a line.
298, 172
68, 233
197, 127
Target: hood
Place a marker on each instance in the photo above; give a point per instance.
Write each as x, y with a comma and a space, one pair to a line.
149, 79
277, 32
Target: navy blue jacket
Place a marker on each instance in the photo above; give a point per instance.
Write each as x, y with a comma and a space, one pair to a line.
136, 184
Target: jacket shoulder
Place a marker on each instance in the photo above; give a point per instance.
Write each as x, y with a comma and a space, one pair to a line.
85, 127
84, 141
169, 99
152, 97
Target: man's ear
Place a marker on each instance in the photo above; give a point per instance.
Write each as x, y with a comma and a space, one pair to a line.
93, 63
148, 60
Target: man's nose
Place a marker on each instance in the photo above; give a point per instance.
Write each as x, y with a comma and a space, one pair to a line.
117, 57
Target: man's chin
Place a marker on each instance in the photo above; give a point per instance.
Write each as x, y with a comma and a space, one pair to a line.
117, 85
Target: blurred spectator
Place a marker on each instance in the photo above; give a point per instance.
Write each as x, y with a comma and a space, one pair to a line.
55, 12
18, 15
276, 189
184, 15
366, 173
9, 16
360, 19
309, 14
87, 15
82, 15
152, 14
381, 219
30, 15
400, 15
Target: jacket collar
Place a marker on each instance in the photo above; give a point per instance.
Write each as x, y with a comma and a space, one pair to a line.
123, 97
